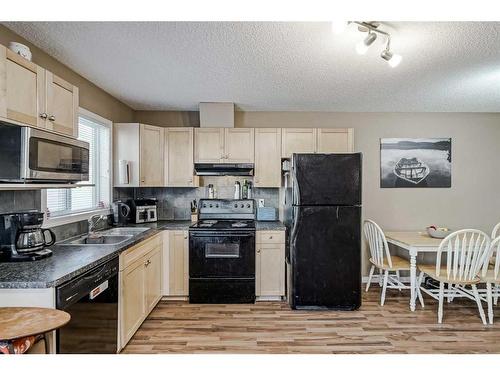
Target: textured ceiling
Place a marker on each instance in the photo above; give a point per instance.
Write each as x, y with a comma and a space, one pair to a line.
279, 65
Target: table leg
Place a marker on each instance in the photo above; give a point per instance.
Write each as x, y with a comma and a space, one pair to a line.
46, 339
413, 278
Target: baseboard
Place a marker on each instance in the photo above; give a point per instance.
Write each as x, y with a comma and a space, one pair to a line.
175, 298
269, 299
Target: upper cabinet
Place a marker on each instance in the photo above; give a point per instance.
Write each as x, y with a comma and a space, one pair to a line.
179, 168
146, 155
335, 140
33, 96
151, 155
208, 145
62, 106
238, 145
267, 157
223, 145
298, 140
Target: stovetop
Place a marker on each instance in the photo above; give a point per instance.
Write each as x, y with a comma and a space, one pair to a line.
212, 224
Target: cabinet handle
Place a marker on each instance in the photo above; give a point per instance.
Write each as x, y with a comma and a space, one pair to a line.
147, 263
270, 237
43, 115
52, 118
258, 251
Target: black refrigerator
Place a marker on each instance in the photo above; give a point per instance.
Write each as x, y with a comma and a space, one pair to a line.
323, 218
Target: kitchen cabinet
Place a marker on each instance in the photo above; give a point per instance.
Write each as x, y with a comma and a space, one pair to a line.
270, 265
151, 155
298, 140
62, 106
238, 146
222, 145
267, 157
33, 96
138, 155
208, 145
332, 140
177, 284
140, 285
178, 159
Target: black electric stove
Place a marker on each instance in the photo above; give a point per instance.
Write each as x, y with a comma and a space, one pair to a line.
222, 252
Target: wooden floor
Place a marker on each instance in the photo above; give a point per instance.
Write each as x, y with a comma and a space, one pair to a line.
274, 328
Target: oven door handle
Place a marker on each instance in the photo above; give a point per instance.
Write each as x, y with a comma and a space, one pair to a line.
198, 235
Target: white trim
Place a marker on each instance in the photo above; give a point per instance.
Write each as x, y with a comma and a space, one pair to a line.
79, 216
73, 218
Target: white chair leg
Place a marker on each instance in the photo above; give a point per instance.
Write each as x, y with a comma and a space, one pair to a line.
479, 305
440, 307
399, 280
489, 298
497, 287
384, 288
419, 292
380, 278
370, 278
449, 298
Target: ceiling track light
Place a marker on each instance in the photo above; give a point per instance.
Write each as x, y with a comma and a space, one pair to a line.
372, 29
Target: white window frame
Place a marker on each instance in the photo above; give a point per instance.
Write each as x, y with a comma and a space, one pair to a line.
85, 215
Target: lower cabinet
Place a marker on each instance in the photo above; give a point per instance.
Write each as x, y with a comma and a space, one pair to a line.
270, 265
176, 262
140, 285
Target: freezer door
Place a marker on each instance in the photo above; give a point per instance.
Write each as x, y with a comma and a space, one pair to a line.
326, 179
325, 257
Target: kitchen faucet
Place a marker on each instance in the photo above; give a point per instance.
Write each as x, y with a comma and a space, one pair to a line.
93, 221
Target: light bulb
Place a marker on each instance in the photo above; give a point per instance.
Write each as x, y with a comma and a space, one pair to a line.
395, 60
361, 48
338, 26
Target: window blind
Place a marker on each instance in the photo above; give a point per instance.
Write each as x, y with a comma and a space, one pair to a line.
66, 201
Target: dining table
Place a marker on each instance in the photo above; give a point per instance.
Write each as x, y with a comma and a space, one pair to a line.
414, 242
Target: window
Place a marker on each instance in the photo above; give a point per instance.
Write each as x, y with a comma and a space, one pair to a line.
86, 199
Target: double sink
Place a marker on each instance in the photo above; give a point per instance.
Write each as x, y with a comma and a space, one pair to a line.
114, 236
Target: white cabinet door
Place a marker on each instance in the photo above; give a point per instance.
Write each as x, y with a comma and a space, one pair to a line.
332, 140
300, 140
208, 145
267, 157
238, 146
179, 149
151, 155
133, 300
152, 278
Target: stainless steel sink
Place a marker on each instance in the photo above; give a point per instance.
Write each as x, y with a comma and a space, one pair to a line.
113, 236
102, 240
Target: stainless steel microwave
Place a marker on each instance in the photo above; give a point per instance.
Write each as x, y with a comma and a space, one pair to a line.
32, 155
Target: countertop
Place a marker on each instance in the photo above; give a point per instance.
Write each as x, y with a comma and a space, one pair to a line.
69, 261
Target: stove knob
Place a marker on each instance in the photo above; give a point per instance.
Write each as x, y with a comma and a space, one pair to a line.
210, 205
217, 206
235, 205
204, 205
248, 205
242, 205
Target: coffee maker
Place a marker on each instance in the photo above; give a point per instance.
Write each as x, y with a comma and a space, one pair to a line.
22, 237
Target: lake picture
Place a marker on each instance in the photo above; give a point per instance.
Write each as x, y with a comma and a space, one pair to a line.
415, 162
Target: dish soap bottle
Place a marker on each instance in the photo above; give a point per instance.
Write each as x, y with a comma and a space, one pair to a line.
244, 190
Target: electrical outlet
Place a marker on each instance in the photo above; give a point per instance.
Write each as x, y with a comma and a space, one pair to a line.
261, 202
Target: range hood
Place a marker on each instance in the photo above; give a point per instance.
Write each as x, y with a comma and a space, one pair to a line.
223, 169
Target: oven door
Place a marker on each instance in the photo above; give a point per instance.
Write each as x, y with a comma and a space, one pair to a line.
50, 157
216, 254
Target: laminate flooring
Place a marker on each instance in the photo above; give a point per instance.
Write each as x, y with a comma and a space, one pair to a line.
272, 327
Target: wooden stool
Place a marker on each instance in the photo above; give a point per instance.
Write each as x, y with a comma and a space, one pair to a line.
26, 325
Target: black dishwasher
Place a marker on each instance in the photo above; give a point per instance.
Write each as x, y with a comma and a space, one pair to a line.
92, 301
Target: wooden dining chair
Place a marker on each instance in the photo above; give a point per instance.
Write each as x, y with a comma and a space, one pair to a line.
382, 260
490, 275
465, 252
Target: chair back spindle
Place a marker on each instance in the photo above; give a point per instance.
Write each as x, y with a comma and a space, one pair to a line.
379, 249
465, 253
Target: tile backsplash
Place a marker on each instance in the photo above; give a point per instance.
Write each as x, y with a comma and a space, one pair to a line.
19, 200
174, 203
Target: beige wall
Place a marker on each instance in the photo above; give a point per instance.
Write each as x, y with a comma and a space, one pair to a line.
473, 201
92, 97
168, 118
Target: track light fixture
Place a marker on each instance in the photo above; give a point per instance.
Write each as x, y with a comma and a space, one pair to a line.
372, 28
